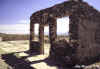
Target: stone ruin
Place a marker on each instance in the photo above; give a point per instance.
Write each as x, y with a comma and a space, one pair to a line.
84, 31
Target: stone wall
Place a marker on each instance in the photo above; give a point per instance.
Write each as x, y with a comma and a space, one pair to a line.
84, 36
88, 42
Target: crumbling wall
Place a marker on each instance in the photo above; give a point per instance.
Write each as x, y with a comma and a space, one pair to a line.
89, 47
84, 36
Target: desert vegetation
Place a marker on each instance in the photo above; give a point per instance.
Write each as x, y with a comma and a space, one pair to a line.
11, 37
14, 37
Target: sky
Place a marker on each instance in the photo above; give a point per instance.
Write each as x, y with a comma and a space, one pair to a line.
15, 14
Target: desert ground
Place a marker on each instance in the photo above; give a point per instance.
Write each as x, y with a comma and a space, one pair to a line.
8, 47
18, 48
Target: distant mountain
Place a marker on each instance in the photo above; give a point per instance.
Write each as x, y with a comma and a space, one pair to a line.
2, 34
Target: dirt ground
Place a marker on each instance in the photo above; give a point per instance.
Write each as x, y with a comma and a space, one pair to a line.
36, 61
8, 47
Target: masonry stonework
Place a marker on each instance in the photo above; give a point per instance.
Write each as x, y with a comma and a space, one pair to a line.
83, 28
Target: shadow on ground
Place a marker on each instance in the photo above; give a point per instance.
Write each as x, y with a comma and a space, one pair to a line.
16, 63
21, 63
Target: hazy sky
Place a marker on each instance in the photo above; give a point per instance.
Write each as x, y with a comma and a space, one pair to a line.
14, 14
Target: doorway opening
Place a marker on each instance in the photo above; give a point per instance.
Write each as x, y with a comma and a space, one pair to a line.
46, 40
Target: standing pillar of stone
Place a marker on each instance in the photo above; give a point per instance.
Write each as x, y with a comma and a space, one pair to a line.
41, 38
31, 35
52, 32
73, 31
